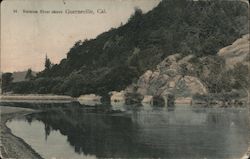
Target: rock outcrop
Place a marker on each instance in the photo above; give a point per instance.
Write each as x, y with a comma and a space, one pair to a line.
238, 52
178, 78
171, 77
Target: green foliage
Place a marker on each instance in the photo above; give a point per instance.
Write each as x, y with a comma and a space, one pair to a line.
137, 14
73, 85
23, 87
39, 85
211, 71
241, 76
215, 97
183, 69
219, 79
6, 81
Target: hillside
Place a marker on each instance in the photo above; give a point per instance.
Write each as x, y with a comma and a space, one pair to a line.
120, 56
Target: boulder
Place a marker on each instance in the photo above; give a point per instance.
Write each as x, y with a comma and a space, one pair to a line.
89, 99
117, 97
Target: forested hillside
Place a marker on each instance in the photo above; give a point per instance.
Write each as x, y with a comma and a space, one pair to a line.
118, 57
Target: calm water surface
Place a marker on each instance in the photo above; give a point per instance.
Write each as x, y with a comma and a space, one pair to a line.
181, 132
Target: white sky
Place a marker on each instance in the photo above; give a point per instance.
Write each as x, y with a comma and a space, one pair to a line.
26, 38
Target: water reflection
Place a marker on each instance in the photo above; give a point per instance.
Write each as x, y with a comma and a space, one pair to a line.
152, 132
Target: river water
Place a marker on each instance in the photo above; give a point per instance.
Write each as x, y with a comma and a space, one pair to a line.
181, 132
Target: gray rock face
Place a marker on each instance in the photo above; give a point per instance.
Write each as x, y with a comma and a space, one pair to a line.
169, 78
238, 52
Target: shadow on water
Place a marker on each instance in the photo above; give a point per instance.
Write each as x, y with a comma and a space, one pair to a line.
95, 134
147, 132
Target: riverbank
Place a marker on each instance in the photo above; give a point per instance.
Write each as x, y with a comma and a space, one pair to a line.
12, 146
36, 97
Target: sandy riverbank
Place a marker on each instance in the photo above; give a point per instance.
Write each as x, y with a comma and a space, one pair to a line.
12, 146
36, 97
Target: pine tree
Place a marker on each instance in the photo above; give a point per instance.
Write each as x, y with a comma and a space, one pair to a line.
48, 63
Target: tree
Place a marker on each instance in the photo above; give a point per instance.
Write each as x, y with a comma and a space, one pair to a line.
137, 14
241, 77
48, 63
6, 81
183, 69
29, 75
134, 59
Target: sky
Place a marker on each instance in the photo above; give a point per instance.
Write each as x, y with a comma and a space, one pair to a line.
26, 38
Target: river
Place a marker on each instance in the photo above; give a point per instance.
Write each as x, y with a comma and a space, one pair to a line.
73, 131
